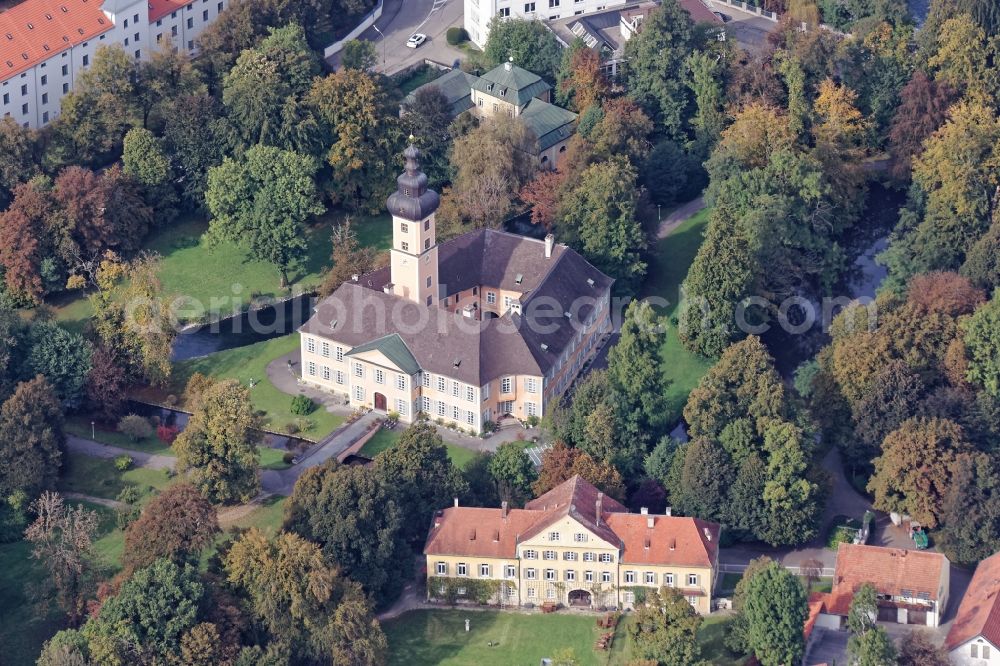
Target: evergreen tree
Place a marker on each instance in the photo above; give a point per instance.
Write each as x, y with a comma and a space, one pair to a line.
776, 610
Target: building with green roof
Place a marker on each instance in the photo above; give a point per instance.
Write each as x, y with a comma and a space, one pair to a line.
516, 92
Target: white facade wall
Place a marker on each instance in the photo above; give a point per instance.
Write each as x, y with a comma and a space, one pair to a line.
976, 652
32, 98
479, 13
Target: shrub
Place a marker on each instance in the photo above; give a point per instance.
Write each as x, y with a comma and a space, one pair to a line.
288, 458
489, 426
123, 463
532, 420
167, 433
305, 424
392, 417
456, 35
135, 427
291, 427
302, 405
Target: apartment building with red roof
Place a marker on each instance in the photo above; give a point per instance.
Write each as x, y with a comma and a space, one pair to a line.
46, 44
573, 546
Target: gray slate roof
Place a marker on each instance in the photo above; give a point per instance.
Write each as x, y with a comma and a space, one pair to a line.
549, 123
474, 352
515, 85
456, 86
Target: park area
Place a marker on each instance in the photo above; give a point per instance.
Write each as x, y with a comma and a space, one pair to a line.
668, 266
431, 637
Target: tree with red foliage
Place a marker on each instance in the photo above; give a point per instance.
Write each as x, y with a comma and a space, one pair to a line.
563, 462
923, 108
24, 237
945, 293
543, 193
582, 82
106, 384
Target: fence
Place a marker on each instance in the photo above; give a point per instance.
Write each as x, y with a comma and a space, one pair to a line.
367, 22
822, 572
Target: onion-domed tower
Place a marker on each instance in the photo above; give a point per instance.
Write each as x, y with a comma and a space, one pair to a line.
414, 263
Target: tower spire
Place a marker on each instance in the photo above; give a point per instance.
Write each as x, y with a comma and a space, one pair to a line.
412, 200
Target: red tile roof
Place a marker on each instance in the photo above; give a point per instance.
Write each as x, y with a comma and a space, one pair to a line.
890, 570
160, 8
36, 30
488, 533
672, 540
817, 602
979, 612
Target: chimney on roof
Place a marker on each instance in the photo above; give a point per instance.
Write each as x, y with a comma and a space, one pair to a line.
708, 534
650, 522
550, 242
673, 544
666, 512
509, 64
456, 501
387, 288
597, 507
472, 534
503, 508
644, 510
355, 277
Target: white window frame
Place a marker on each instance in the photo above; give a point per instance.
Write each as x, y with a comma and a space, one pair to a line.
529, 574
553, 536
549, 555
427, 380
379, 376
605, 576
550, 574
484, 570
588, 557
325, 347
668, 580
630, 577
569, 575
311, 345
340, 377
509, 571
530, 554
607, 557
442, 568
401, 382
311, 369
650, 578
441, 384
340, 353
588, 576
692, 580
491, 297
470, 394
462, 569
359, 393
401, 406
506, 385
359, 370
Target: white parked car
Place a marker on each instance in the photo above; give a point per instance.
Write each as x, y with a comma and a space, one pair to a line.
416, 40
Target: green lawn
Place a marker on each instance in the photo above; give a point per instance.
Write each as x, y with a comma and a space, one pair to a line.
431, 637
267, 517
272, 458
668, 268
250, 362
385, 439
98, 477
21, 632
80, 426
220, 278
413, 81
710, 636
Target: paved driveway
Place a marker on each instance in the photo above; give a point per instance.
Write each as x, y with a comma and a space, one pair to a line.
749, 29
402, 18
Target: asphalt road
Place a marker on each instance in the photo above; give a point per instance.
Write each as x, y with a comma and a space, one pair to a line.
402, 18
749, 29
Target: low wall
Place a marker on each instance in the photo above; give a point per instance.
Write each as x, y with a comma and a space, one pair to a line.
367, 22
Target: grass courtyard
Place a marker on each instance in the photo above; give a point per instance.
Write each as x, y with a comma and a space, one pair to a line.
250, 362
426, 637
220, 278
668, 267
385, 439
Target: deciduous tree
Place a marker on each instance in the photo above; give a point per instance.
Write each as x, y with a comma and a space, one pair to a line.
654, 76
527, 43
18, 162
513, 473
219, 445
349, 258
31, 438
970, 512
304, 604
177, 524
358, 522
776, 610
915, 469
665, 629
923, 107
61, 538
262, 203
982, 340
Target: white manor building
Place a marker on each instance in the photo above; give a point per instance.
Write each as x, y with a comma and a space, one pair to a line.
45, 44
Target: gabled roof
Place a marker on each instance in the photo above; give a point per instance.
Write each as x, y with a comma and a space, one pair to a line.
891, 570
548, 122
979, 612
576, 499
482, 350
670, 540
394, 349
495, 533
36, 30
456, 86
511, 83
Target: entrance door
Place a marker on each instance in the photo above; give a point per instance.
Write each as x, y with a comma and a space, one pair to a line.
579, 598
380, 402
